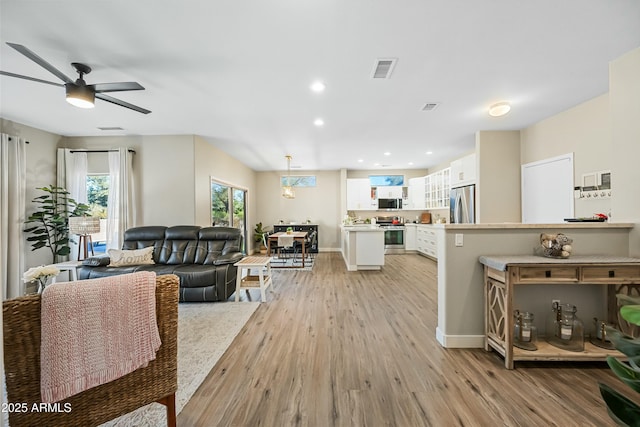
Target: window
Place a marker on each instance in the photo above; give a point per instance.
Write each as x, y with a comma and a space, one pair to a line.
97, 198
298, 180
229, 207
386, 180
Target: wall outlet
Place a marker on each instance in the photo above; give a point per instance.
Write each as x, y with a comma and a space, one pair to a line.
459, 239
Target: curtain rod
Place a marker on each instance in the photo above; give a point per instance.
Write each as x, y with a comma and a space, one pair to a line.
99, 151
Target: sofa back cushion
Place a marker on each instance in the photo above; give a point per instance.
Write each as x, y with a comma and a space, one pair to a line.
180, 244
214, 242
143, 237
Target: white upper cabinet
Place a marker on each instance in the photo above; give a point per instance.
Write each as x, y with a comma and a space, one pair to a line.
463, 171
416, 193
359, 195
389, 192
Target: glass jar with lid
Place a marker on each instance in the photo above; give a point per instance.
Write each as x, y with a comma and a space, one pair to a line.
525, 332
568, 329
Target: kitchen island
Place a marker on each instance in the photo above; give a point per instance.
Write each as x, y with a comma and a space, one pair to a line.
363, 247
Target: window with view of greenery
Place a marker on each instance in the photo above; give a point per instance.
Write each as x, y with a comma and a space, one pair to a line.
98, 195
228, 207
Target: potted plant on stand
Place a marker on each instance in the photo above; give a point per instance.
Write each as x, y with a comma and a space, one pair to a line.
50, 222
259, 236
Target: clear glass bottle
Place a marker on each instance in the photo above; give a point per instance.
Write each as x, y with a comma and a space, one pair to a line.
525, 332
568, 332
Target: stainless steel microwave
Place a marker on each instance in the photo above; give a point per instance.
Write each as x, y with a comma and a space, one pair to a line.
389, 203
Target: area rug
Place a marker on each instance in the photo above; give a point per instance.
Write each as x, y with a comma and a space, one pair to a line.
205, 331
291, 263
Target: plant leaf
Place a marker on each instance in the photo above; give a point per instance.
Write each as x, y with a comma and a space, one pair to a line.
627, 299
622, 410
627, 374
631, 313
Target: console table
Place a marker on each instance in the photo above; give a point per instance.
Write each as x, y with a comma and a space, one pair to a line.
621, 275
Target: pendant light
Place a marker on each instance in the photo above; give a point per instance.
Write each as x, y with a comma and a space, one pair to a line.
287, 190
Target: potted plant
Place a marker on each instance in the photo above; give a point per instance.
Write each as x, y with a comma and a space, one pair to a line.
50, 221
258, 237
621, 409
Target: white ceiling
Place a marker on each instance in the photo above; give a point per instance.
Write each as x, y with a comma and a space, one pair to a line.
237, 73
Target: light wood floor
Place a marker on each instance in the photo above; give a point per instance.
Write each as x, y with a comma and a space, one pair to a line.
338, 348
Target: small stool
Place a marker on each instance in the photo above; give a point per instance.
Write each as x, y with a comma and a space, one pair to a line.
262, 280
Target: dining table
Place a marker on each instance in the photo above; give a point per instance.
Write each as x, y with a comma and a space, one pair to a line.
298, 236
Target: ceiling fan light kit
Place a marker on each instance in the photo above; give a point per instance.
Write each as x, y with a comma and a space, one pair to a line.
78, 93
80, 96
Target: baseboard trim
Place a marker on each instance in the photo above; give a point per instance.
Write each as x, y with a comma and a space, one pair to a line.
459, 341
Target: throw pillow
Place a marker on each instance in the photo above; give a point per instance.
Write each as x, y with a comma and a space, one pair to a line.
123, 257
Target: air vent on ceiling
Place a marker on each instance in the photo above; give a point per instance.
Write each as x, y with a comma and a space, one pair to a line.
430, 106
110, 128
383, 68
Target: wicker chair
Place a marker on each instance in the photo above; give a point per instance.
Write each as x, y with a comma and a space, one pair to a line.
157, 382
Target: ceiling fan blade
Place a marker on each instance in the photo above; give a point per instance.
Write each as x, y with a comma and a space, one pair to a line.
41, 62
115, 87
122, 103
33, 79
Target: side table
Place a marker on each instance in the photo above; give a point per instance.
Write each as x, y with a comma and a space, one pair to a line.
262, 280
71, 267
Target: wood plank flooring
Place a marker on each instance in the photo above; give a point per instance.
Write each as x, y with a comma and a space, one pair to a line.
338, 348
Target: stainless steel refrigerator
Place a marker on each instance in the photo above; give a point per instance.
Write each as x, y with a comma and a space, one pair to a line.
462, 205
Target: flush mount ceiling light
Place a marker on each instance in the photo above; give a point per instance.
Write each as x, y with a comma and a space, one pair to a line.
287, 190
499, 109
318, 87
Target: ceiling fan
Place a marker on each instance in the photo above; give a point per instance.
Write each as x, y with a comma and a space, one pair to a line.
79, 93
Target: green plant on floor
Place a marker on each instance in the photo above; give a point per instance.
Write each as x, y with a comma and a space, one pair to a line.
622, 410
50, 222
258, 234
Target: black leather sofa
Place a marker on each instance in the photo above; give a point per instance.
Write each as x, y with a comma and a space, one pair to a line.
202, 257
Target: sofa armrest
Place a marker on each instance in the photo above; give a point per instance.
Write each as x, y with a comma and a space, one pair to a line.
230, 258
97, 261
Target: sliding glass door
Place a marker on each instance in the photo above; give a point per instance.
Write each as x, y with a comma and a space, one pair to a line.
229, 207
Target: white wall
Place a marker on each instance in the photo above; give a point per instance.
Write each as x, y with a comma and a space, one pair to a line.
625, 123
164, 167
584, 130
41, 172
210, 162
320, 204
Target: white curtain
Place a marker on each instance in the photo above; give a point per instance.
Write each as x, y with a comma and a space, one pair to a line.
121, 201
13, 168
72, 175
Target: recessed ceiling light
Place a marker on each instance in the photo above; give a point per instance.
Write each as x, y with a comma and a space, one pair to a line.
387, 153
429, 153
410, 163
318, 122
318, 86
360, 160
499, 109
376, 164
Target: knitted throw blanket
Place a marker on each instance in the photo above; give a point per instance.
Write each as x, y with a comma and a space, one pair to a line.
95, 331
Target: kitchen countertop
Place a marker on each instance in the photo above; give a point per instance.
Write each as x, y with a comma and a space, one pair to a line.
362, 227
518, 225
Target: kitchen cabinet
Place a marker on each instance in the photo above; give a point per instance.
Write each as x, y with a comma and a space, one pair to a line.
359, 195
410, 237
463, 171
503, 274
417, 193
388, 192
427, 241
437, 190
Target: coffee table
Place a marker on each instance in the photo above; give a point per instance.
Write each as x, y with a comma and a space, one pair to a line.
262, 280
